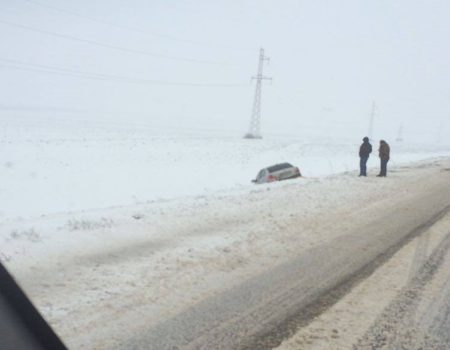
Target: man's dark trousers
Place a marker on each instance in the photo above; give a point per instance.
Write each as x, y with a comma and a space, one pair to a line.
362, 166
383, 169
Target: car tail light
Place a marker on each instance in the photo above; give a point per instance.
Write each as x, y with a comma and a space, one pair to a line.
297, 171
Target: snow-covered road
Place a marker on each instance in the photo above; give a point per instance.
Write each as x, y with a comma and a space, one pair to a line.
404, 304
218, 271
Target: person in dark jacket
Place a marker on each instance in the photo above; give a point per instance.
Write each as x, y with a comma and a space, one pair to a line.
364, 152
384, 153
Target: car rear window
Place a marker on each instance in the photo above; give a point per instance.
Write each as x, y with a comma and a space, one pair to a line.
279, 167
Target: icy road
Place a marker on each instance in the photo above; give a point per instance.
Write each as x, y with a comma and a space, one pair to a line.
334, 263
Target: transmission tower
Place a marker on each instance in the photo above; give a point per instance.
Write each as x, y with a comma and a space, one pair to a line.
372, 117
254, 131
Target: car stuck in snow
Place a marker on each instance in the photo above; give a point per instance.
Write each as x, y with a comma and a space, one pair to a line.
277, 172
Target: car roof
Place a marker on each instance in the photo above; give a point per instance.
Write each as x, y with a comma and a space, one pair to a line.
280, 166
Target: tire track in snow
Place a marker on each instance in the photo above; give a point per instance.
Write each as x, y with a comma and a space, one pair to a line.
253, 315
330, 297
398, 328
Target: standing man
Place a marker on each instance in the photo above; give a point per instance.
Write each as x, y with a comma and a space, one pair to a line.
384, 153
364, 152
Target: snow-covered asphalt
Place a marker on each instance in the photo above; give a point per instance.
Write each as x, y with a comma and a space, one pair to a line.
251, 315
230, 271
404, 304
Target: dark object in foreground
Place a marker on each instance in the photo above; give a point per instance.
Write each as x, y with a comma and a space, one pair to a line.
277, 172
21, 325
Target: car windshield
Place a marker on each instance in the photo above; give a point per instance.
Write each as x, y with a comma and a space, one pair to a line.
130, 136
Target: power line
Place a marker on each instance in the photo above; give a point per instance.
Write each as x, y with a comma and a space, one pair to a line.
40, 68
33, 108
112, 47
133, 29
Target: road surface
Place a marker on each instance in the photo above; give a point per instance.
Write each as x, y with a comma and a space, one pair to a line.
281, 267
257, 314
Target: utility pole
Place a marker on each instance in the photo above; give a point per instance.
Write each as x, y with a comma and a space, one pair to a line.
254, 131
372, 117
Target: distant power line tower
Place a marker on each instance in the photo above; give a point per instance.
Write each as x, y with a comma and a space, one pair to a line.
254, 131
371, 120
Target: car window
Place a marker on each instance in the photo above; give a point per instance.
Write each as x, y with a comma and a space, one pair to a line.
279, 167
273, 168
260, 174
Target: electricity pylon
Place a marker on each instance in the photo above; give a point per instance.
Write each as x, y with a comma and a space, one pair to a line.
254, 131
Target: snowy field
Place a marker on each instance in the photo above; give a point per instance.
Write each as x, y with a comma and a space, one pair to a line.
53, 166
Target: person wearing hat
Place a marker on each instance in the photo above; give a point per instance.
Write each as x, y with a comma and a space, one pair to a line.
364, 152
384, 153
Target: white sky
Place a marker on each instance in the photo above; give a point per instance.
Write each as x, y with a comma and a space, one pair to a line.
329, 61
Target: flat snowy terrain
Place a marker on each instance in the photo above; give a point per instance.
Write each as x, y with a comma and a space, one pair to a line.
54, 166
126, 238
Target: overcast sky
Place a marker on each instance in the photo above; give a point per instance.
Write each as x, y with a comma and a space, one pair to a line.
189, 63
